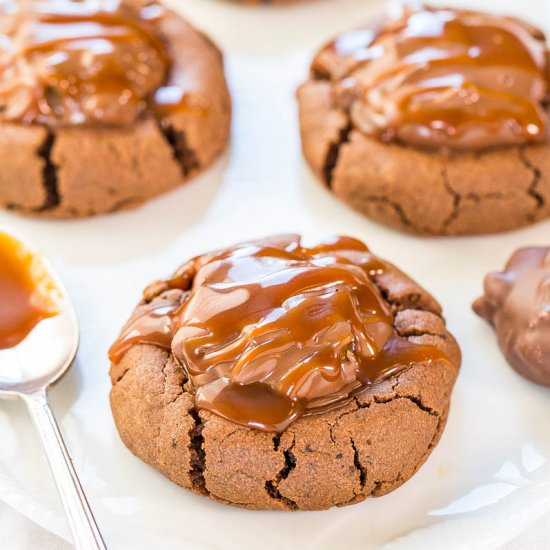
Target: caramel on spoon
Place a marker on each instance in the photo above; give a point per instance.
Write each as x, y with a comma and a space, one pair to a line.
38, 342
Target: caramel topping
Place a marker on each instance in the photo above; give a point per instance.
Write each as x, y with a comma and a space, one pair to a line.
271, 330
170, 100
26, 292
152, 323
446, 78
66, 62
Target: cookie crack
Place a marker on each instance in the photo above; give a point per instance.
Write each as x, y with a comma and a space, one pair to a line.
320, 74
405, 220
49, 173
272, 486
164, 376
339, 417
221, 500
333, 153
331, 161
457, 198
532, 190
397, 396
230, 434
418, 402
394, 397
197, 454
184, 155
163, 393
412, 300
476, 197
181, 385
122, 204
120, 377
379, 485
357, 463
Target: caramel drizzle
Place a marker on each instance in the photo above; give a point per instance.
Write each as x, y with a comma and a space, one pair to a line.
269, 331
81, 52
440, 78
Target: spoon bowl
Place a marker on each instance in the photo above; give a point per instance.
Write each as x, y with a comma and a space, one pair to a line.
46, 353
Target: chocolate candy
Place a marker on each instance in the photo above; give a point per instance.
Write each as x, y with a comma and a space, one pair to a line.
517, 304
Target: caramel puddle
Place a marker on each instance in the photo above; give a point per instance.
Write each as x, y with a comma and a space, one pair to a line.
27, 292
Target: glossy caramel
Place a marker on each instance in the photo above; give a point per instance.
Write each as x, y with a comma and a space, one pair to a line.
69, 63
451, 78
153, 323
271, 330
27, 293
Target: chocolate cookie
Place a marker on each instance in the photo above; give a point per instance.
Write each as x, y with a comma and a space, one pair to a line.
272, 375
436, 123
102, 108
517, 304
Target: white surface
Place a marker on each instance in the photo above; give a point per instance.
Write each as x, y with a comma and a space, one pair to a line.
490, 475
19, 533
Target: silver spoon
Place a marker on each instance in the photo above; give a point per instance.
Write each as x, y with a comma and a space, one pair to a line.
26, 372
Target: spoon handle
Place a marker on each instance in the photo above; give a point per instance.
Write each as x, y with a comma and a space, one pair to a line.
86, 534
